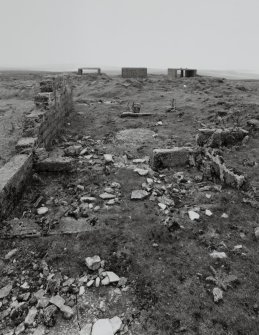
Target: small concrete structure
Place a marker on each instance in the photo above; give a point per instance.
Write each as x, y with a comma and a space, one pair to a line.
179, 72
81, 70
134, 72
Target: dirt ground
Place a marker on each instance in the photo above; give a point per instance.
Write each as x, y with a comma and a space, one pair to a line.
163, 254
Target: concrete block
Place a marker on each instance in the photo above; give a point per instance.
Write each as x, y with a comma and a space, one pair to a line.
169, 158
26, 143
134, 72
13, 179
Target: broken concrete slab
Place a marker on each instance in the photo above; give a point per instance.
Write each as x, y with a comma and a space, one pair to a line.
216, 138
168, 158
55, 164
131, 114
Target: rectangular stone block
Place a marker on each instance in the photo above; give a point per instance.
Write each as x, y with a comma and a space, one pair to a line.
134, 72
169, 158
13, 179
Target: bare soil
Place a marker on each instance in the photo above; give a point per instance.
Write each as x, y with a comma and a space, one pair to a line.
167, 266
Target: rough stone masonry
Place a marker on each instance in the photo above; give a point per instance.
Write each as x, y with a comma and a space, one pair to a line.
52, 104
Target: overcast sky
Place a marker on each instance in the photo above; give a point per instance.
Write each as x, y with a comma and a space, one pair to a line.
205, 34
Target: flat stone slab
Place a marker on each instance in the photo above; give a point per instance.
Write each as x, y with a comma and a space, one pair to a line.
168, 158
69, 225
55, 164
130, 114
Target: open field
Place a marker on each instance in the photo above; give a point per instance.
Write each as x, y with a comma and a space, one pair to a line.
164, 255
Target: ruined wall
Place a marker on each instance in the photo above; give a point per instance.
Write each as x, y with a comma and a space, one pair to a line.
53, 102
134, 72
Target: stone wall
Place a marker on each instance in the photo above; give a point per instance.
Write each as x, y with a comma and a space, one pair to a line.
134, 72
53, 102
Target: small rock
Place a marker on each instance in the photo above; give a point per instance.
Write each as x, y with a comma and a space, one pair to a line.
224, 216
115, 185
122, 282
57, 300
139, 195
25, 286
208, 212
42, 210
43, 302
49, 315
108, 158
87, 199
86, 330
107, 196
105, 281
102, 306
111, 202
4, 292
97, 282
141, 172
69, 282
217, 294
162, 206
109, 190
67, 312
29, 320
116, 324
11, 253
112, 276
80, 187
81, 290
40, 330
102, 327
193, 215
20, 329
257, 233
93, 263
218, 255
90, 283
